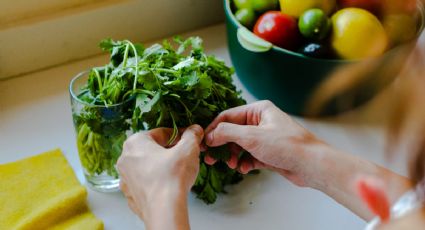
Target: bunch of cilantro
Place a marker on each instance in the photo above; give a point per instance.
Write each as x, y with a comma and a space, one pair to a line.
162, 86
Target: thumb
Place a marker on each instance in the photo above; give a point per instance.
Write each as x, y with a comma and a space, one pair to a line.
191, 137
229, 132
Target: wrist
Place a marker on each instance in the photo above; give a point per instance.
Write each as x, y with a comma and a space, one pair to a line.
316, 161
166, 208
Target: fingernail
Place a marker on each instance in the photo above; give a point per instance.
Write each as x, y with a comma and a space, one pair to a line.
209, 160
197, 129
243, 169
231, 164
244, 172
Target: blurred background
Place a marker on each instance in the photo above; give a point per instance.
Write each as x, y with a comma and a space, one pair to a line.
39, 34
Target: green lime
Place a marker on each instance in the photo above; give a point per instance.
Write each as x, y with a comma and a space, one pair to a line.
264, 5
242, 4
246, 17
314, 24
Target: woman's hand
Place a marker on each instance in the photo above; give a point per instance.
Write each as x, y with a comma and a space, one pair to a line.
278, 143
274, 140
156, 179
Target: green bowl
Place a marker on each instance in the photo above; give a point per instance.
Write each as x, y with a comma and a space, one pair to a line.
286, 78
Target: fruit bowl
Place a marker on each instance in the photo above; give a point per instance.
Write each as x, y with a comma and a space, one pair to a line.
290, 79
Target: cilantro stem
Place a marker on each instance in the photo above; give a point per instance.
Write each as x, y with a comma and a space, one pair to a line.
136, 56
99, 81
196, 106
106, 75
188, 112
139, 91
175, 130
167, 70
223, 87
124, 62
157, 79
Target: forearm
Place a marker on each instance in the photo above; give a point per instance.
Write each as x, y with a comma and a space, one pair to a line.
335, 172
168, 212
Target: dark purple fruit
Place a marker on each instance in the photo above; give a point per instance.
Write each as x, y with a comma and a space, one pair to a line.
316, 50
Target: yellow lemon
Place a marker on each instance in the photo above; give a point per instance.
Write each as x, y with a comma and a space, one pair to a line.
297, 7
357, 34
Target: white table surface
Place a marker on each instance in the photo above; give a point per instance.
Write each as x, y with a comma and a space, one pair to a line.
35, 116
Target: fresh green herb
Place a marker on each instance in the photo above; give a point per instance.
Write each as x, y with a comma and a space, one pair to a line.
101, 132
164, 87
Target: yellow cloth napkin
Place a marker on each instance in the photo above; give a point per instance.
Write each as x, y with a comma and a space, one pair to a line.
42, 192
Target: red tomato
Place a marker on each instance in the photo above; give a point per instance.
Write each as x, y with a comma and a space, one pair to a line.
279, 29
374, 6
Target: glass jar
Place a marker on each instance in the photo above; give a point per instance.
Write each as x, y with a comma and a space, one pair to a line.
100, 132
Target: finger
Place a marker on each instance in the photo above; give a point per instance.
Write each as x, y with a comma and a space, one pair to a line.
125, 190
161, 135
245, 166
155, 139
236, 115
180, 131
233, 160
123, 187
191, 138
234, 148
235, 151
121, 168
209, 160
141, 140
177, 139
227, 132
248, 164
132, 205
241, 115
259, 165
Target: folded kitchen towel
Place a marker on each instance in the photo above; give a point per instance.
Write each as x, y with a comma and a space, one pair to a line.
42, 192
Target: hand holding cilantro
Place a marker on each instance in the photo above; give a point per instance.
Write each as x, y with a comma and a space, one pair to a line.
160, 86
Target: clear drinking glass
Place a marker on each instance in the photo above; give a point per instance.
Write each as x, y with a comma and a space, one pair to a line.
100, 131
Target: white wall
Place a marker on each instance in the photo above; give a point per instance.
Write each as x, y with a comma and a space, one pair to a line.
43, 37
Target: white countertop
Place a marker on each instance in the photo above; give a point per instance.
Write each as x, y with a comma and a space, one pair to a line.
35, 116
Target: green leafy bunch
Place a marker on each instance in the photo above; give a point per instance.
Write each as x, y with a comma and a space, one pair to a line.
170, 85
101, 132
